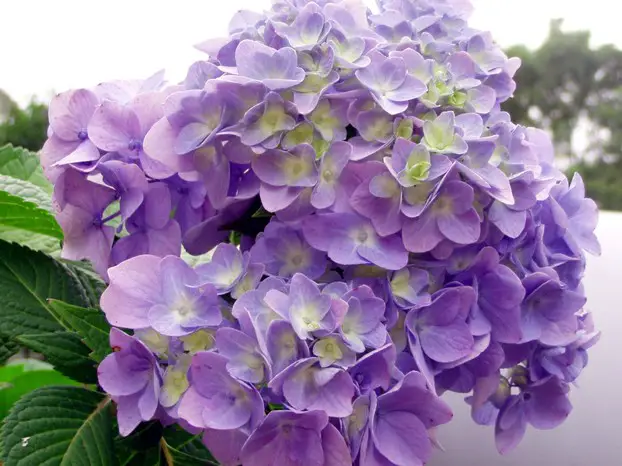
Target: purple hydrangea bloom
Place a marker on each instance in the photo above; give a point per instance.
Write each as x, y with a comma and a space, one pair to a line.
307, 30
409, 287
306, 308
132, 376
396, 429
285, 175
353, 240
439, 135
245, 360
548, 312
499, 297
450, 216
225, 269
264, 124
368, 230
543, 405
307, 385
81, 216
285, 252
151, 230
277, 69
147, 291
412, 163
215, 399
441, 328
331, 166
389, 82
288, 438
361, 325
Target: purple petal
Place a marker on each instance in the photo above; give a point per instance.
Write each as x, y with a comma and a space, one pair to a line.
462, 229
134, 288
402, 438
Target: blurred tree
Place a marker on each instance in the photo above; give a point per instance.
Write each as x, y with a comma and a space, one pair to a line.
25, 127
575, 92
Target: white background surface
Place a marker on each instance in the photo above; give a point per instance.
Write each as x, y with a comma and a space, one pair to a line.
55, 45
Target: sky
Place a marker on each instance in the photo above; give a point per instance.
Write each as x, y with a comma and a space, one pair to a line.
51, 46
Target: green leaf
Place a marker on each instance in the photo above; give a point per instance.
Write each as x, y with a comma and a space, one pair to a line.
43, 200
92, 284
24, 165
66, 352
172, 456
27, 280
20, 214
153, 445
90, 324
66, 426
25, 382
142, 448
8, 348
26, 190
180, 448
35, 241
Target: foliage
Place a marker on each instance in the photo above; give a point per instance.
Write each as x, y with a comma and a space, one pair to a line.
573, 90
25, 127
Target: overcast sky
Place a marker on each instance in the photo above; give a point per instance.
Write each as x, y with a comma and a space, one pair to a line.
54, 45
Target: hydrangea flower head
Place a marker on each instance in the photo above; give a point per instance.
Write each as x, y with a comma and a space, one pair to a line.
371, 231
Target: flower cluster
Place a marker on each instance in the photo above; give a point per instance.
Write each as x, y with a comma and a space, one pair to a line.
377, 232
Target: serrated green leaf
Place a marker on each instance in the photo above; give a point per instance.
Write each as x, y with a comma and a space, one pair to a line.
20, 214
24, 165
66, 352
26, 190
183, 448
142, 447
153, 445
150, 457
90, 324
92, 284
8, 348
64, 426
43, 200
38, 242
27, 280
25, 382
176, 457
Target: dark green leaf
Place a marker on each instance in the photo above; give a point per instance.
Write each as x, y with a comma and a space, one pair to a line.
22, 164
152, 445
25, 382
150, 457
92, 284
35, 241
66, 352
184, 448
27, 280
65, 426
20, 214
176, 457
142, 448
26, 190
42, 199
8, 348
90, 324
